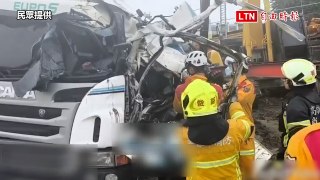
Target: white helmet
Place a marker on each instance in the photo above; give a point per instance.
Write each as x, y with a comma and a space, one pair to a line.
300, 71
172, 60
197, 58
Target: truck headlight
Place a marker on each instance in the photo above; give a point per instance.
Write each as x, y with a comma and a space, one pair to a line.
105, 159
109, 159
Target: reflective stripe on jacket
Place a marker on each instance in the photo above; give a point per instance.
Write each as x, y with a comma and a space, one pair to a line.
302, 111
246, 96
220, 160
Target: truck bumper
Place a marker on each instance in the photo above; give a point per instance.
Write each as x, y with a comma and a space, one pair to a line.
117, 173
26, 161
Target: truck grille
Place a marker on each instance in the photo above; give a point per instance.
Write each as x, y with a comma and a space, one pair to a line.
29, 111
36, 123
40, 120
28, 129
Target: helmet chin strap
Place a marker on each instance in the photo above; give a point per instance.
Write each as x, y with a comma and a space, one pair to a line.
184, 74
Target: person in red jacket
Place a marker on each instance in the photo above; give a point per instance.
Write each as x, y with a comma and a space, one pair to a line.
195, 64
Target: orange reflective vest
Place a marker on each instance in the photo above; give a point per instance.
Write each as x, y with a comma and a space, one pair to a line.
303, 155
220, 160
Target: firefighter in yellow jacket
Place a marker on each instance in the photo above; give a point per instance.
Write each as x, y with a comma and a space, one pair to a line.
212, 143
304, 162
246, 95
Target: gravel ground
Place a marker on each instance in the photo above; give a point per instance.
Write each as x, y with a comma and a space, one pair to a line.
265, 113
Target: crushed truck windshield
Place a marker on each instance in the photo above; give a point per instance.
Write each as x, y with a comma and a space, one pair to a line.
74, 46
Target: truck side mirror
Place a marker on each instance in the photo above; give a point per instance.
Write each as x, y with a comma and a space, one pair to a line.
139, 12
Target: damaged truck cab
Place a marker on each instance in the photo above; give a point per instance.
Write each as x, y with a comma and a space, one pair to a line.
62, 81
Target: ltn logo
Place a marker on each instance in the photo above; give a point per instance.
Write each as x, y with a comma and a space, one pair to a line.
246, 16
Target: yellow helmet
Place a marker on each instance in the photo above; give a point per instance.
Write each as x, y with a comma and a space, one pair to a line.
300, 71
200, 98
